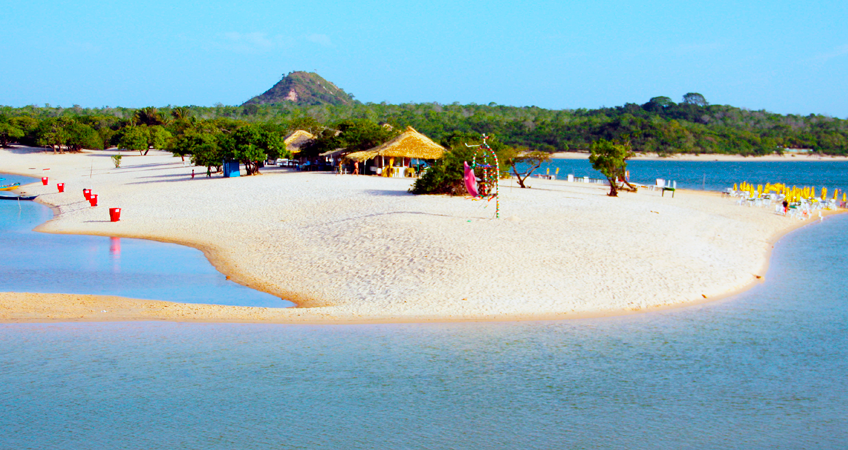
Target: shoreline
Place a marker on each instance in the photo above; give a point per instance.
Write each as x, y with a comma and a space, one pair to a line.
690, 157
438, 217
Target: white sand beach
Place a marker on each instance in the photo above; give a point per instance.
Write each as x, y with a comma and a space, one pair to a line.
355, 249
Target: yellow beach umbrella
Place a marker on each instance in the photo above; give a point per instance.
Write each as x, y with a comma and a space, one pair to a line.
824, 193
735, 187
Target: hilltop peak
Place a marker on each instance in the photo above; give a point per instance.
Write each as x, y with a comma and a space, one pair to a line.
303, 88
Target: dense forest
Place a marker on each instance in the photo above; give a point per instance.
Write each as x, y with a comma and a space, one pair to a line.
659, 125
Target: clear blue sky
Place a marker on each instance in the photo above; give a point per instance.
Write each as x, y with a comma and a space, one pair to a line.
781, 56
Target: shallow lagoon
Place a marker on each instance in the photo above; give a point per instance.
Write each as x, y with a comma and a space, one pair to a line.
135, 268
765, 369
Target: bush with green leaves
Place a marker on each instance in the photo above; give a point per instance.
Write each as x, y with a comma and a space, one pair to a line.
446, 175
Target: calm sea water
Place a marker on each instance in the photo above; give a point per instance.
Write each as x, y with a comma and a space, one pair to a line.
50, 263
717, 175
766, 369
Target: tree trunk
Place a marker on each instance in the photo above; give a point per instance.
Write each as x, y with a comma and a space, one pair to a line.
613, 189
518, 177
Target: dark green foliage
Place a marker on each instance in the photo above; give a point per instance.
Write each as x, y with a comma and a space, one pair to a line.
251, 144
446, 175
133, 138
524, 162
352, 135
149, 116
80, 136
694, 98
660, 125
9, 131
201, 145
610, 158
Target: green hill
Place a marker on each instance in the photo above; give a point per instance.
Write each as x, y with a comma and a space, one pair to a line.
303, 89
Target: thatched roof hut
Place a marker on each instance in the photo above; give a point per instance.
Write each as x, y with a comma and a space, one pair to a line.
410, 144
334, 153
298, 139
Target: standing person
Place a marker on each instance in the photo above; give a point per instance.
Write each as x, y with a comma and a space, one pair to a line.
785, 206
356, 167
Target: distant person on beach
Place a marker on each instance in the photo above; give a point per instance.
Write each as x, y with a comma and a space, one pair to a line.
356, 167
785, 207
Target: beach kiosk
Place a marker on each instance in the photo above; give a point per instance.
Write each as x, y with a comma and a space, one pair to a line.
394, 158
231, 169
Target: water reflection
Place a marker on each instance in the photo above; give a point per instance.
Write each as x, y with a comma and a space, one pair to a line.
115, 252
52, 263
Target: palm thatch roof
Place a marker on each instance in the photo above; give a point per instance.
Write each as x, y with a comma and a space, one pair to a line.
334, 153
410, 144
361, 156
298, 139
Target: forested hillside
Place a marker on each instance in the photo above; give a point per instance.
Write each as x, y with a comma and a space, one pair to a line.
659, 125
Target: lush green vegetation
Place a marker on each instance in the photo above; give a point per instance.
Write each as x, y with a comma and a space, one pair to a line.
659, 125
610, 159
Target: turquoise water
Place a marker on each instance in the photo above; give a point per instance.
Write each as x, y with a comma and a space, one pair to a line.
717, 175
765, 369
135, 268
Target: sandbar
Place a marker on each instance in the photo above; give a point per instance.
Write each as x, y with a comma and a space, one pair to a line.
361, 249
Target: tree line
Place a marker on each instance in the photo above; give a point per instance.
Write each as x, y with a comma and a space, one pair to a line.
659, 125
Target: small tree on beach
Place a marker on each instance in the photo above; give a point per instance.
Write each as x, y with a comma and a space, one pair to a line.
529, 162
610, 158
250, 144
79, 136
133, 138
203, 148
53, 133
9, 132
157, 137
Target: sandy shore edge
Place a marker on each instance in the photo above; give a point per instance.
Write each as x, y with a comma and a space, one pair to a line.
390, 307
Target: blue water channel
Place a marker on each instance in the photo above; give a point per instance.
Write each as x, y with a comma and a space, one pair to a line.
716, 175
766, 369
135, 268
